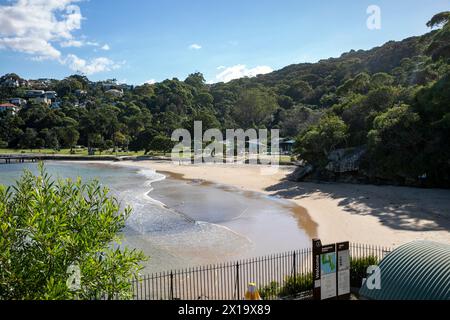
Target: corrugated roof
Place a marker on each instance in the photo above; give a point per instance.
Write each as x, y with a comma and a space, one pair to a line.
416, 271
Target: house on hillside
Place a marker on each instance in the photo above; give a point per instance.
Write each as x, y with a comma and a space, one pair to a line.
41, 96
51, 95
115, 93
34, 93
80, 93
18, 102
9, 107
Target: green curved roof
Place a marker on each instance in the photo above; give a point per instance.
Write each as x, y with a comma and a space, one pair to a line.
416, 271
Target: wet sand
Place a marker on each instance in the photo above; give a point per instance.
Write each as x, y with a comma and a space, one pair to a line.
381, 215
249, 214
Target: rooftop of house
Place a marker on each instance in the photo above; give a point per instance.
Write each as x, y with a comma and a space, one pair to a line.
7, 105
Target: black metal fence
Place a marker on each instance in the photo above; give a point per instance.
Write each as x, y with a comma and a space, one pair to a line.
276, 276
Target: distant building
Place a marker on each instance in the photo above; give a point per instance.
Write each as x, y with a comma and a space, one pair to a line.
55, 105
41, 96
126, 86
286, 146
34, 93
115, 93
51, 95
9, 107
40, 100
18, 102
80, 93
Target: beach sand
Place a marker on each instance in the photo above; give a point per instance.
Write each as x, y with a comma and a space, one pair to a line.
368, 214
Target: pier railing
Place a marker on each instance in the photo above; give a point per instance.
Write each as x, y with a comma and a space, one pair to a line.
278, 276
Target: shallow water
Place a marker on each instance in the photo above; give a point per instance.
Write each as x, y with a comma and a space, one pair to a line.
180, 223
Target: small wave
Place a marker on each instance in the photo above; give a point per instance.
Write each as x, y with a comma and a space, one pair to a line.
152, 177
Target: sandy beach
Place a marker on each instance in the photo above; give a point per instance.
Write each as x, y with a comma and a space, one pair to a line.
368, 214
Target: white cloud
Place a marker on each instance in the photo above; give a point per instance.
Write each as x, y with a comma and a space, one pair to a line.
95, 65
151, 81
72, 43
240, 71
35, 26
35, 46
106, 47
195, 46
221, 67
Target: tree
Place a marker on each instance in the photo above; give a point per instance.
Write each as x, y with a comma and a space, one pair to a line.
315, 144
160, 143
50, 228
381, 79
440, 44
300, 91
253, 108
439, 19
395, 144
28, 139
70, 137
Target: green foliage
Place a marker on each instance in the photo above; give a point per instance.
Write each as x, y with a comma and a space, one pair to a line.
254, 107
440, 45
358, 269
47, 226
315, 144
291, 286
294, 285
395, 142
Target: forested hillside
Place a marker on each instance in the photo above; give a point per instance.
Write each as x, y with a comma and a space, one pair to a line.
393, 101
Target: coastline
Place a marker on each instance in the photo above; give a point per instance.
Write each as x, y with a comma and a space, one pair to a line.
369, 214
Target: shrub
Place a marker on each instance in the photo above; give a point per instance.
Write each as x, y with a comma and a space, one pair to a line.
49, 227
358, 269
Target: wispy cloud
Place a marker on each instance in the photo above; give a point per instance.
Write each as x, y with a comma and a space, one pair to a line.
151, 81
195, 46
34, 27
92, 66
240, 71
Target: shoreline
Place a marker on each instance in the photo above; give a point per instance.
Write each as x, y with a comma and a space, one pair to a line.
369, 214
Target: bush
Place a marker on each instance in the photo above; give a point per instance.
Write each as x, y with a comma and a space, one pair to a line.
358, 269
291, 287
49, 229
295, 285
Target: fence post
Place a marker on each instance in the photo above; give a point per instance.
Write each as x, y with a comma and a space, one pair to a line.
295, 270
171, 285
237, 282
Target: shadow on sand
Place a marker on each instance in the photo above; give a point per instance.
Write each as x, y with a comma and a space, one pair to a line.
400, 208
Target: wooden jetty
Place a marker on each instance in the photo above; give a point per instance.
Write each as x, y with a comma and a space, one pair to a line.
19, 158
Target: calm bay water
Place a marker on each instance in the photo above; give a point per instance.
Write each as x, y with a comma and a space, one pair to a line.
180, 223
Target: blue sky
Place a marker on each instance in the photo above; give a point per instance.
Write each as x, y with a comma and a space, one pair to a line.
136, 41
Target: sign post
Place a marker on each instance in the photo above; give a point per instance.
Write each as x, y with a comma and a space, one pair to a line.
317, 250
331, 270
343, 270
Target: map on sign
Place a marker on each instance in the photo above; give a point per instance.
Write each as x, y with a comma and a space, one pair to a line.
328, 263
